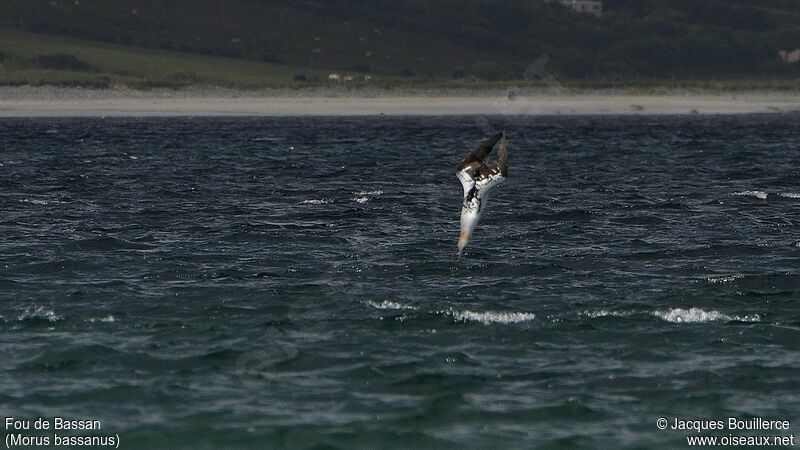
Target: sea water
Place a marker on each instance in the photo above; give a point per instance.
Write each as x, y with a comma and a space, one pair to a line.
294, 282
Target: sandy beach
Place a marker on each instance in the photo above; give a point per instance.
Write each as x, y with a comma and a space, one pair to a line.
55, 102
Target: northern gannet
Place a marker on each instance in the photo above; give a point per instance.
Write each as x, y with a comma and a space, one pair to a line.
478, 179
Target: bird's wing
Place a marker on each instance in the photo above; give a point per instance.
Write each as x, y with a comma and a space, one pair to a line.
481, 152
485, 183
494, 173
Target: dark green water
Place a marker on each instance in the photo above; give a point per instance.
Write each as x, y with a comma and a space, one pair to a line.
274, 283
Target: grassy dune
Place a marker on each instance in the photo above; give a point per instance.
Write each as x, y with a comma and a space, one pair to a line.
116, 65
38, 59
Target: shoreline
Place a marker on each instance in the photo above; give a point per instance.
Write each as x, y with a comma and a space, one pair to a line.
61, 102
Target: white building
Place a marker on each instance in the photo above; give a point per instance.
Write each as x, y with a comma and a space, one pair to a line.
790, 57
584, 6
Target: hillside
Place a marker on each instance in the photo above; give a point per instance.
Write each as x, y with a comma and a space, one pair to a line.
443, 39
42, 59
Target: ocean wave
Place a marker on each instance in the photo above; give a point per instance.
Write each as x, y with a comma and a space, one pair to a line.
789, 195
675, 315
697, 315
723, 279
312, 201
39, 313
604, 313
361, 200
268, 139
757, 194
386, 304
108, 319
490, 317
362, 193
34, 201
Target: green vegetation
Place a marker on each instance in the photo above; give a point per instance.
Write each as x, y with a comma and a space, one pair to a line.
262, 43
60, 62
40, 59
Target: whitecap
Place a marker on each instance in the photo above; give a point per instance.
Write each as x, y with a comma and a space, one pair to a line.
268, 139
369, 193
757, 194
386, 304
34, 201
312, 201
604, 313
789, 195
723, 279
108, 319
490, 317
361, 200
40, 313
697, 315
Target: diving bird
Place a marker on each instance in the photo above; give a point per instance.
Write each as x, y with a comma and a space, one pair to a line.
478, 179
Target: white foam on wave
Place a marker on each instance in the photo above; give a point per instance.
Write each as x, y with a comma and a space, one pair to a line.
757, 194
312, 201
697, 315
723, 279
604, 313
369, 193
676, 315
361, 200
386, 304
789, 195
40, 313
490, 317
34, 201
267, 139
108, 319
